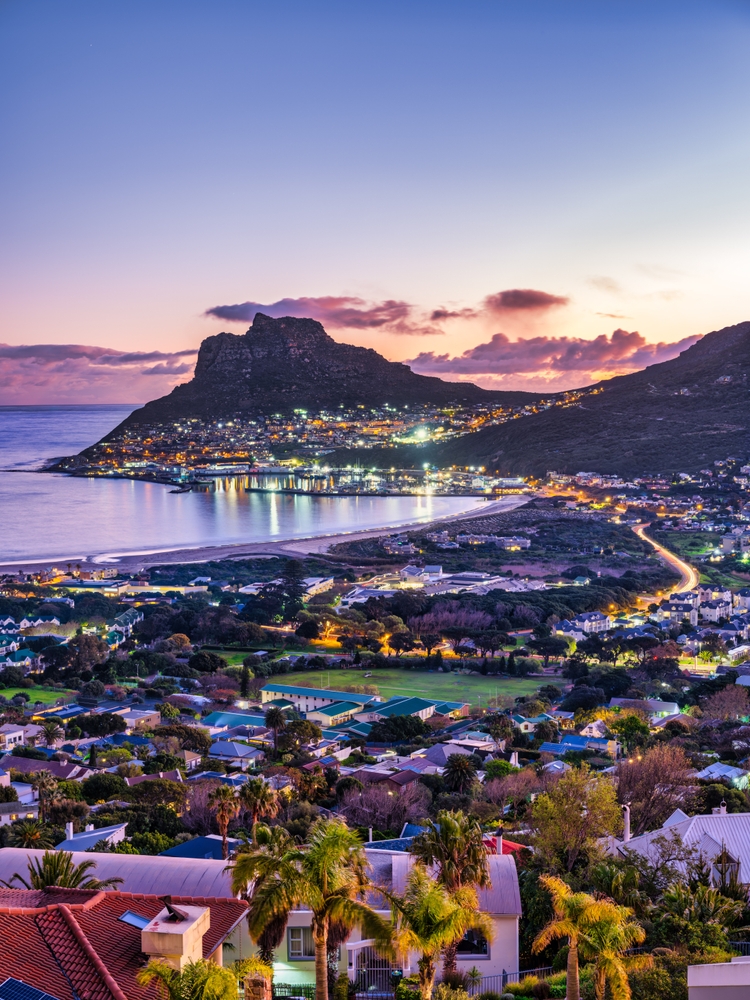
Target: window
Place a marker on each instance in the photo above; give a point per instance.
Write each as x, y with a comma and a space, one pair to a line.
300, 944
474, 945
134, 919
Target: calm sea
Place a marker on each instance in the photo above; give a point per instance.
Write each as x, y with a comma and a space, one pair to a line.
47, 516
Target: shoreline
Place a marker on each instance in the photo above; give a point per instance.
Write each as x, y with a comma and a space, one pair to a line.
290, 547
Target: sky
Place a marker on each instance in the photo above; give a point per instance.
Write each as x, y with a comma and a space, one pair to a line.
521, 193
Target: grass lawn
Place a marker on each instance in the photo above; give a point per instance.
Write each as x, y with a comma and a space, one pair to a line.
422, 683
43, 694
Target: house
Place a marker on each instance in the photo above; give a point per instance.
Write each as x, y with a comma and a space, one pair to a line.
411, 576
11, 736
712, 611
127, 621
529, 725
90, 837
208, 847
137, 779
236, 754
676, 612
572, 741
389, 868
593, 622
734, 776
83, 943
596, 729
398, 705
316, 585
651, 706
190, 759
62, 770
568, 630
23, 658
12, 811
720, 980
738, 653
709, 834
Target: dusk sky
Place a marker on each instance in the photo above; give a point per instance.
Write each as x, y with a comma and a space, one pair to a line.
523, 194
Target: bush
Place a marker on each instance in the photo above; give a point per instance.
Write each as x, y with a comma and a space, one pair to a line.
102, 787
444, 991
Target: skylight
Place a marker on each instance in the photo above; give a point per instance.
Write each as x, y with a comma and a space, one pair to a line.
135, 919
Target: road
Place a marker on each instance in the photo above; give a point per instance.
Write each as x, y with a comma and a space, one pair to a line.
689, 579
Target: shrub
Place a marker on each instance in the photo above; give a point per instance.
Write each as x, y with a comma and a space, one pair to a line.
408, 989
444, 991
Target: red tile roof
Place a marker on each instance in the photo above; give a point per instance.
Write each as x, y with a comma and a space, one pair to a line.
70, 942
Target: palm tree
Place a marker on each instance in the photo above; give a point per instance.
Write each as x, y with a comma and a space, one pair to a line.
270, 844
197, 981
459, 773
46, 786
57, 868
454, 845
327, 877
605, 942
429, 919
51, 731
574, 914
275, 720
30, 833
225, 805
260, 800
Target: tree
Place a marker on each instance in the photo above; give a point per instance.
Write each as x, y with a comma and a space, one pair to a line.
498, 726
194, 738
497, 769
200, 980
51, 731
57, 868
697, 917
270, 844
573, 914
275, 721
245, 678
397, 729
328, 877
402, 642
260, 800
104, 724
30, 833
308, 629
87, 651
375, 805
654, 784
459, 773
226, 806
453, 844
206, 662
298, 734
46, 786
569, 819
431, 919
730, 703
631, 730
606, 942
102, 787
548, 647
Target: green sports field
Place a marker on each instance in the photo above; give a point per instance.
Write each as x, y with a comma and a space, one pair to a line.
422, 683
46, 695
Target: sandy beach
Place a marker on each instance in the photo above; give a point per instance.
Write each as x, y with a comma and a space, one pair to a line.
319, 544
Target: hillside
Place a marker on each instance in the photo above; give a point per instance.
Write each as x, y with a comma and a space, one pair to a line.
281, 365
679, 415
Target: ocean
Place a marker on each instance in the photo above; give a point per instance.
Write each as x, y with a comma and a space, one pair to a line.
47, 516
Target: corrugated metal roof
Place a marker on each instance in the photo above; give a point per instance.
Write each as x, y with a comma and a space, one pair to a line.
140, 872
730, 829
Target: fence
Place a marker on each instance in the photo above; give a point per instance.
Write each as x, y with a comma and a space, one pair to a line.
497, 984
743, 947
306, 990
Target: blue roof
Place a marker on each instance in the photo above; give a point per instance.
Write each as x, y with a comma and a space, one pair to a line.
557, 749
412, 830
401, 844
204, 848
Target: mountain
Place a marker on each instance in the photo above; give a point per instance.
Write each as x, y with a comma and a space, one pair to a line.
281, 365
677, 416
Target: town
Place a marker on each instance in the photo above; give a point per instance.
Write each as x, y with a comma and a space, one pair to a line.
553, 695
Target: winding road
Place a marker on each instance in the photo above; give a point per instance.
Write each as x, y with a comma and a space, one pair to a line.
689, 579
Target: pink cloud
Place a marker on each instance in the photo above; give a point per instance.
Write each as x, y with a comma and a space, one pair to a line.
551, 358
334, 312
61, 373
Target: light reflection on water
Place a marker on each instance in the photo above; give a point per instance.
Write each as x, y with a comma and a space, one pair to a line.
51, 516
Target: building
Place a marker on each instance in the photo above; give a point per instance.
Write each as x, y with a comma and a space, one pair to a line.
306, 699
334, 714
79, 943
720, 980
593, 622
733, 776
90, 837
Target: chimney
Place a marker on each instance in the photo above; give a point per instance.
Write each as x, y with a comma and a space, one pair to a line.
175, 935
370, 837
89, 827
721, 809
514, 759
626, 822
68, 831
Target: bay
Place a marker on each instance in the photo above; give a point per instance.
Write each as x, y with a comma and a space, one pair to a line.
50, 516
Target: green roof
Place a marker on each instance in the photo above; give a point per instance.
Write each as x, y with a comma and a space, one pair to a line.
360, 699
404, 706
338, 708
